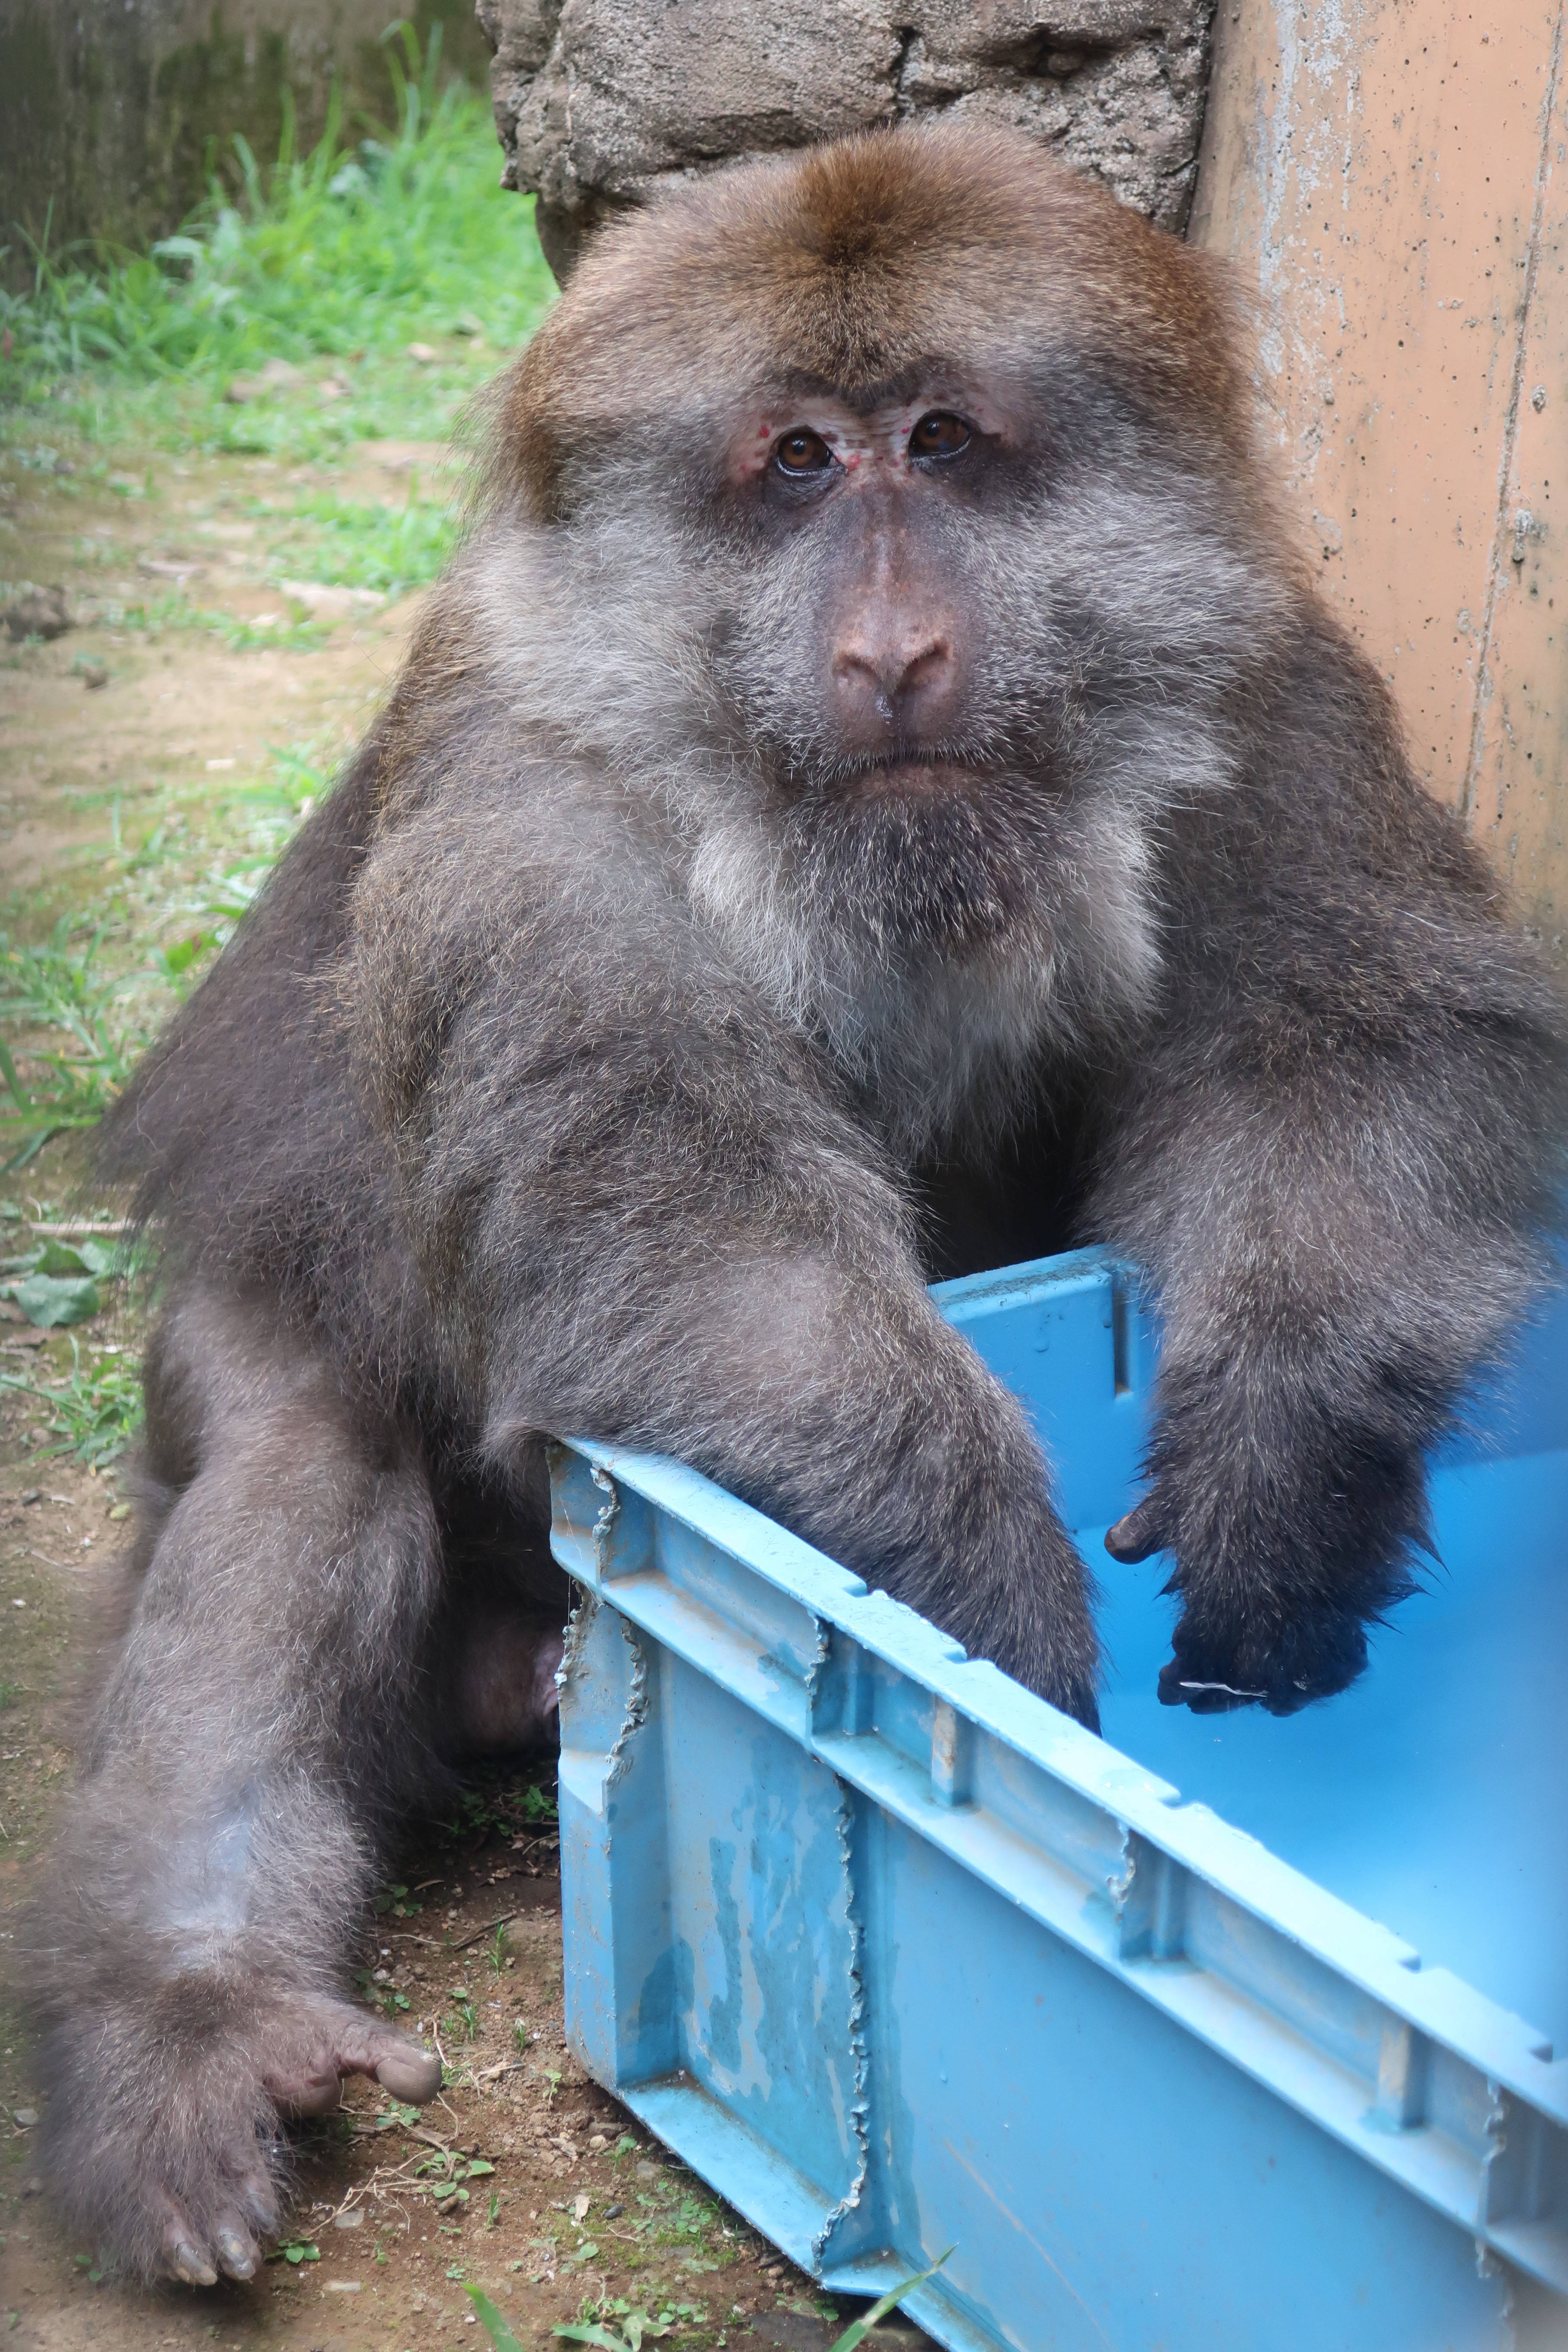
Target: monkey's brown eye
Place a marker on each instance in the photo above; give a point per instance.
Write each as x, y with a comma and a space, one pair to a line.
939, 435
803, 453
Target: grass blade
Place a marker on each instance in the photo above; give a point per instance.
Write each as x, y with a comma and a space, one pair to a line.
22, 1100
858, 2329
494, 2325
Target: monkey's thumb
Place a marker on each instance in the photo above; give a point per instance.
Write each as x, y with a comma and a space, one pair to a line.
1139, 1535
410, 2073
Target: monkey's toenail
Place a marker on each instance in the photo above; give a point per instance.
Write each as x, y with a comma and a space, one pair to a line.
236, 2254
192, 2267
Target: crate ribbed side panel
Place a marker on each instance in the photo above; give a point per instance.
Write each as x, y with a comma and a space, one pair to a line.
901, 1961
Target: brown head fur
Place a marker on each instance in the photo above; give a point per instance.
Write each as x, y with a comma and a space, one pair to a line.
849, 268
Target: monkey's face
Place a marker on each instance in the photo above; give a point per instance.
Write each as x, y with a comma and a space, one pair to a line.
902, 495
867, 583
868, 664
971, 634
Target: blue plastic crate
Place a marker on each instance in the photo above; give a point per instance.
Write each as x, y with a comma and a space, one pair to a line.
902, 1960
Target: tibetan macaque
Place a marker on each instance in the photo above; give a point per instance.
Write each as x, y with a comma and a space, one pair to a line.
874, 797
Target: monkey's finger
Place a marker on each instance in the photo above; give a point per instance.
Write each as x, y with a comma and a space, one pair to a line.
1182, 1686
238, 2252
1139, 1535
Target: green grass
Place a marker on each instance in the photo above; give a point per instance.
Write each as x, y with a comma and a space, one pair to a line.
93, 1411
57, 989
110, 365
334, 263
348, 544
78, 1007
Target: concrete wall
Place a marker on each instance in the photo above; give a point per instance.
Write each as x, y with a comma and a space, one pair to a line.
107, 107
1390, 178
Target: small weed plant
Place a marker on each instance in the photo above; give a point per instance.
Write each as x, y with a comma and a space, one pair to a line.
613, 2325
93, 1410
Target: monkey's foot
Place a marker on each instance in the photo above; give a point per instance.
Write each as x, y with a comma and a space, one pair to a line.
163, 2137
301, 2056
330, 2039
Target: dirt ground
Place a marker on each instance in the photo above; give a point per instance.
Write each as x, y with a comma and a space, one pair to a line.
522, 2176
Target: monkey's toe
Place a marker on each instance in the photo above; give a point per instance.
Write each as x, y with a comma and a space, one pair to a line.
409, 2074
181, 2255
189, 2266
192, 2263
237, 2252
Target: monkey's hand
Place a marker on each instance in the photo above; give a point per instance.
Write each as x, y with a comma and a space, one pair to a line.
1278, 1567
163, 2137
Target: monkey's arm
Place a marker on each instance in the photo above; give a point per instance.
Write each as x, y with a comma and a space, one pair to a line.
1338, 1166
647, 1217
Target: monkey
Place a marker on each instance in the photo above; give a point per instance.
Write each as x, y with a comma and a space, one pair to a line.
875, 795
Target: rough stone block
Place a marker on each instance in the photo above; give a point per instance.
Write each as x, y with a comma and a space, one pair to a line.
599, 101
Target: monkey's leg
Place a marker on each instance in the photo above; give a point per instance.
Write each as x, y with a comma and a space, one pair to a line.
266, 1715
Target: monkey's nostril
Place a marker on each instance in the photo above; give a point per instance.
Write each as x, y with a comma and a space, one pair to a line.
928, 667
887, 675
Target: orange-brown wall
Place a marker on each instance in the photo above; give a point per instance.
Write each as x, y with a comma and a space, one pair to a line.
1390, 178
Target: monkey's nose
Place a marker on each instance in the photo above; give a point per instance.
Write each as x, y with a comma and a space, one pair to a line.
901, 680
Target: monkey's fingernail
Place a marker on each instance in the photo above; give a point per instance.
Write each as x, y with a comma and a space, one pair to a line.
236, 2253
411, 2074
185, 2263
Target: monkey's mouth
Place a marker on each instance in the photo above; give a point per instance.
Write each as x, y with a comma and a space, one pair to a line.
913, 776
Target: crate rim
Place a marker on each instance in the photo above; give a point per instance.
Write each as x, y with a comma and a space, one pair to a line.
1512, 2054
1436, 2002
